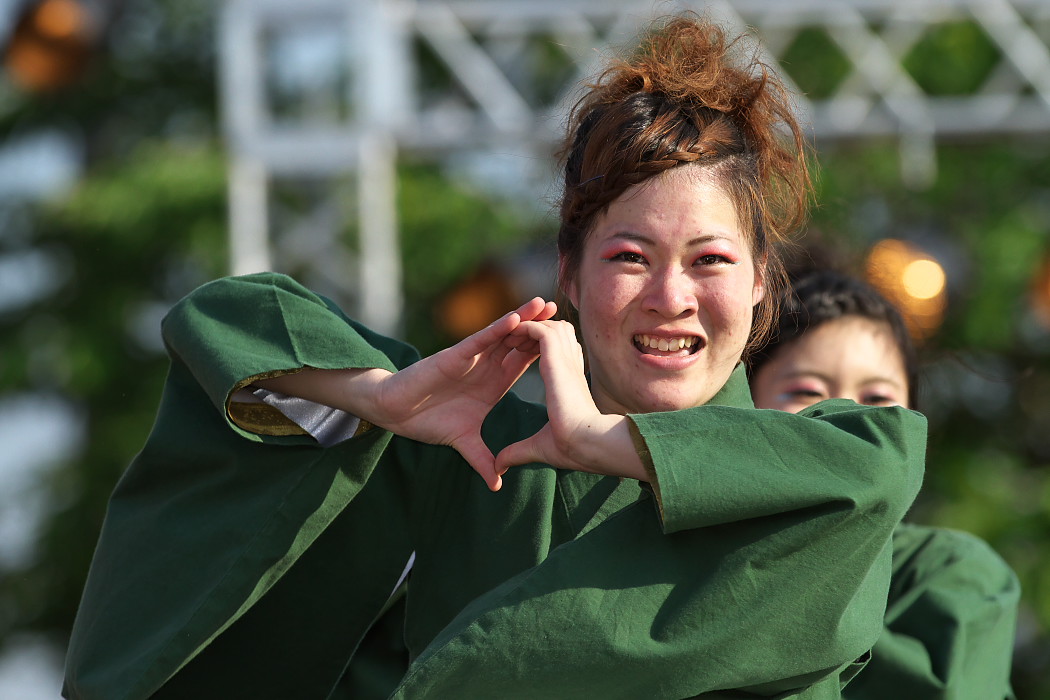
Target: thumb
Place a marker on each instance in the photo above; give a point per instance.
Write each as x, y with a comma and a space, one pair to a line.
518, 453
478, 455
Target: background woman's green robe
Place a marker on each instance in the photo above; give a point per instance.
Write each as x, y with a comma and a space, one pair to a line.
950, 621
239, 564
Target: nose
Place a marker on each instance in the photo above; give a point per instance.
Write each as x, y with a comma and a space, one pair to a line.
671, 293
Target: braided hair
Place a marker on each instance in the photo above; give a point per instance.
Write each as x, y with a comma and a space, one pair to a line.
682, 99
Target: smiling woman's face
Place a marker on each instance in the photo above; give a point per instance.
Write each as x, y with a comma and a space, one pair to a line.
665, 292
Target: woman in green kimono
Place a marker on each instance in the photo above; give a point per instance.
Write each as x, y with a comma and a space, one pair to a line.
953, 601
646, 534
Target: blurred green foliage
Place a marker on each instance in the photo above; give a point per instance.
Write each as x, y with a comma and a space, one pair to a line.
447, 232
144, 225
815, 63
133, 237
147, 223
952, 59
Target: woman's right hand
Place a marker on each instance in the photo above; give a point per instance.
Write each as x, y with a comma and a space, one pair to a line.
577, 436
444, 399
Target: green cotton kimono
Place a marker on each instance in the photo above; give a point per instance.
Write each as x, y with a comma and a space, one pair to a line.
239, 559
950, 621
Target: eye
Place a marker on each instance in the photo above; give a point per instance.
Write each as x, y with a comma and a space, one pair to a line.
627, 257
795, 399
713, 259
879, 400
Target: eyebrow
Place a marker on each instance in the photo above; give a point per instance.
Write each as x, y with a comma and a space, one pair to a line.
699, 240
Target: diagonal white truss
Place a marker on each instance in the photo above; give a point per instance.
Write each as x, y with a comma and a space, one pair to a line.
484, 47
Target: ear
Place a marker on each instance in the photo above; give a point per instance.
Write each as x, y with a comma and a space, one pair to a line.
758, 291
573, 294
567, 282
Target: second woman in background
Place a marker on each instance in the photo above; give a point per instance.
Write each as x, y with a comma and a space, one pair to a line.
953, 601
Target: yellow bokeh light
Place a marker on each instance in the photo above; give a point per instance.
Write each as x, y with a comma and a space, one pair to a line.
923, 279
911, 280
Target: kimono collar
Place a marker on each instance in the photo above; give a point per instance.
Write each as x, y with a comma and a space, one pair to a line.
735, 393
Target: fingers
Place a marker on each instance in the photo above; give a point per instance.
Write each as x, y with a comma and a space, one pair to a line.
555, 343
549, 309
487, 337
522, 342
514, 455
528, 335
516, 362
536, 309
480, 458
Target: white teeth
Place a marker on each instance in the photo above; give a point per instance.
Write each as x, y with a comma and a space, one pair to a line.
664, 344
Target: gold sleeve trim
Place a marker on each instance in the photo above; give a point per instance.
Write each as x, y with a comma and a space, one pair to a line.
259, 417
262, 419
646, 456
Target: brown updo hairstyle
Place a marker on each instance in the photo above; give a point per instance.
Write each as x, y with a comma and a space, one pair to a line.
685, 98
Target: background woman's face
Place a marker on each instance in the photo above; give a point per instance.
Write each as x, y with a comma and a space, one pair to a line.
665, 292
849, 358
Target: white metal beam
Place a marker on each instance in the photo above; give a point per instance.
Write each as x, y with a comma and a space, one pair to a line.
478, 39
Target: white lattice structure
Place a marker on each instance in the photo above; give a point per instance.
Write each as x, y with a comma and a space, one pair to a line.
506, 67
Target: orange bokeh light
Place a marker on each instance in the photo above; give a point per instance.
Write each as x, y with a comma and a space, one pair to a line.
50, 45
60, 19
913, 281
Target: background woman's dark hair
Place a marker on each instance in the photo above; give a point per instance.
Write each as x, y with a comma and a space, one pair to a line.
685, 97
826, 295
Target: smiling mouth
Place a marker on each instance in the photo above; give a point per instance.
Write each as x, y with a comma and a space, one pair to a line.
667, 347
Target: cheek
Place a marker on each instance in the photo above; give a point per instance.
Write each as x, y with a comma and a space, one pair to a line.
732, 309
764, 393
606, 302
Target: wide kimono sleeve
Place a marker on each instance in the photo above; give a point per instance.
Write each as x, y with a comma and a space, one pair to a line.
236, 561
764, 574
950, 621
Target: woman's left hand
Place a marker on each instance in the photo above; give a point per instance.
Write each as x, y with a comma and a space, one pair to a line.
577, 436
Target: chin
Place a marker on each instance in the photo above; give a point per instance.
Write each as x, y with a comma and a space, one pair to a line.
668, 401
